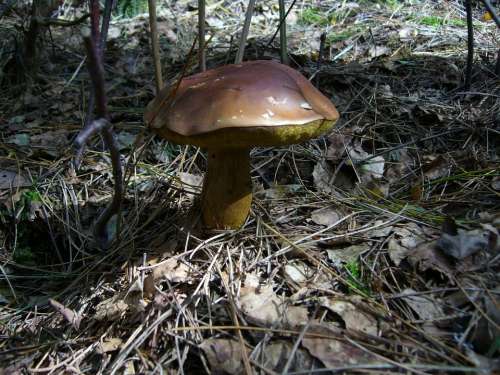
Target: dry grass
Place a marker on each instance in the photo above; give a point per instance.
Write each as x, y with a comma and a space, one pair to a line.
154, 301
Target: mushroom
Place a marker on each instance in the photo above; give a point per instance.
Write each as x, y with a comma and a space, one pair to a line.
227, 111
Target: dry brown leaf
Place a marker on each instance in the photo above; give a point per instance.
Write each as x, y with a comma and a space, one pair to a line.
424, 307
436, 167
275, 355
426, 256
109, 345
224, 355
326, 216
333, 352
404, 240
353, 317
172, 270
111, 309
70, 315
263, 307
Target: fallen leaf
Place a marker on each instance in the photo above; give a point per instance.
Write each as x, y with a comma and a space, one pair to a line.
263, 307
125, 140
172, 270
10, 179
464, 243
20, 139
377, 51
51, 142
369, 167
109, 345
333, 352
322, 175
404, 240
326, 216
70, 315
223, 355
425, 307
436, 167
281, 191
338, 146
407, 33
353, 317
427, 257
347, 254
276, 354
111, 309
190, 183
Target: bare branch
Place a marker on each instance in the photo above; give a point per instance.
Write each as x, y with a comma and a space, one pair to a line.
244, 32
155, 45
283, 42
201, 36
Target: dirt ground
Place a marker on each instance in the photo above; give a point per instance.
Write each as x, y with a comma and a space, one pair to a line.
373, 249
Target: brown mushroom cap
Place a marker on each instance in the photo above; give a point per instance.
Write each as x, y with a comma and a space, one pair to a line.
256, 103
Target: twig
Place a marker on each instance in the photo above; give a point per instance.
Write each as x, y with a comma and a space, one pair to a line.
244, 32
470, 45
47, 21
201, 36
281, 22
96, 71
497, 66
106, 18
283, 43
155, 45
321, 51
95, 13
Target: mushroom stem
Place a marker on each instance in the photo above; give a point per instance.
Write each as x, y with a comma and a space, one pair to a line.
227, 189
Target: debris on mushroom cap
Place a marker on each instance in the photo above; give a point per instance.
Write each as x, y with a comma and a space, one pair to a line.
247, 95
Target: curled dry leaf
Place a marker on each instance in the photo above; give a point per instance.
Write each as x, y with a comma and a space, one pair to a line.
326, 216
70, 315
109, 345
436, 167
404, 240
303, 274
172, 270
111, 309
464, 243
331, 351
263, 307
223, 355
425, 307
427, 257
353, 317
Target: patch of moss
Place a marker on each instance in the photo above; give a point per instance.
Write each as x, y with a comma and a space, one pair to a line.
131, 8
314, 16
436, 21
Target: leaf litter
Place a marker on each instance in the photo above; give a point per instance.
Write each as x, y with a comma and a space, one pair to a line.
342, 263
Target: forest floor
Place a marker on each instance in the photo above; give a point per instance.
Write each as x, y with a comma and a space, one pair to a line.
373, 249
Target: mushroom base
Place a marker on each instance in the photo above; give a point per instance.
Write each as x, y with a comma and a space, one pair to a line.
227, 189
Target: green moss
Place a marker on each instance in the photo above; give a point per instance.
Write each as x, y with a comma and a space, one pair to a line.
314, 16
131, 8
335, 37
436, 21
354, 279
